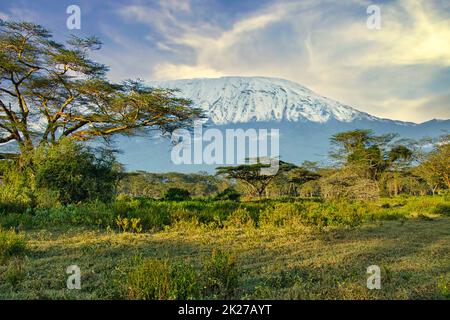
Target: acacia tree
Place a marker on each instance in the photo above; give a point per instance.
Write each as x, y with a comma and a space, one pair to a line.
50, 90
369, 154
299, 176
253, 175
435, 166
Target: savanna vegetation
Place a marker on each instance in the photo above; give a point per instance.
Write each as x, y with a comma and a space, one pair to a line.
307, 232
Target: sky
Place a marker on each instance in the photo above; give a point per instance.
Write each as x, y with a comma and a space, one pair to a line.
400, 71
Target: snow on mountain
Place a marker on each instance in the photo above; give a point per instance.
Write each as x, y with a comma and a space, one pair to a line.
246, 99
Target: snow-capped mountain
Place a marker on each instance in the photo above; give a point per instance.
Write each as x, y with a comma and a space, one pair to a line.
246, 99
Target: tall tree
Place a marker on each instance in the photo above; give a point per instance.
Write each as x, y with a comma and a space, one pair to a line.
50, 90
435, 167
369, 154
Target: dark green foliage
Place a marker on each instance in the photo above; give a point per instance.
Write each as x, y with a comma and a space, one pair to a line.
177, 194
257, 175
228, 194
74, 173
153, 185
443, 209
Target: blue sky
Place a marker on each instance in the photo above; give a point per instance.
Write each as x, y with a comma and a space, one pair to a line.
401, 71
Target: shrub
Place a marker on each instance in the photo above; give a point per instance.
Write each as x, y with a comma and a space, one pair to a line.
125, 224
158, 279
75, 172
15, 272
176, 194
221, 275
239, 218
348, 185
442, 208
16, 188
11, 245
228, 194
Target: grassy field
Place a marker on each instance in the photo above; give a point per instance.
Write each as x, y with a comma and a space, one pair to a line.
289, 261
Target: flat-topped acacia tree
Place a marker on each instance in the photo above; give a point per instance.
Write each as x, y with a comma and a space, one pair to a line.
50, 90
253, 175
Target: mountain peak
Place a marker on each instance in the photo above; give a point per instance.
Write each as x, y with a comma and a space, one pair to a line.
246, 99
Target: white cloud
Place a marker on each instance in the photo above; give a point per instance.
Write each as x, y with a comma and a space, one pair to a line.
164, 71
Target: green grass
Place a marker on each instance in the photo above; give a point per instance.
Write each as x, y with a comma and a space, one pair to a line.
11, 245
267, 250
156, 215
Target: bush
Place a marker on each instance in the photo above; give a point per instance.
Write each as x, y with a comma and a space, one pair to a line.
176, 194
442, 208
15, 272
241, 217
221, 275
158, 279
228, 194
11, 245
74, 173
348, 185
16, 188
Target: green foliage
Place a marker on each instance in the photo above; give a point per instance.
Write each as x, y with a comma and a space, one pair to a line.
444, 287
14, 273
258, 175
158, 279
435, 167
241, 217
154, 185
442, 209
16, 187
221, 275
228, 194
11, 245
125, 224
176, 194
75, 173
367, 154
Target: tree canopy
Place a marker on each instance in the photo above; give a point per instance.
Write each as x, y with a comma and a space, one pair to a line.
369, 154
50, 90
253, 175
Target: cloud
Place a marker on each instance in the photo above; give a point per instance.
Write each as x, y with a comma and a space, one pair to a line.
182, 71
324, 45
